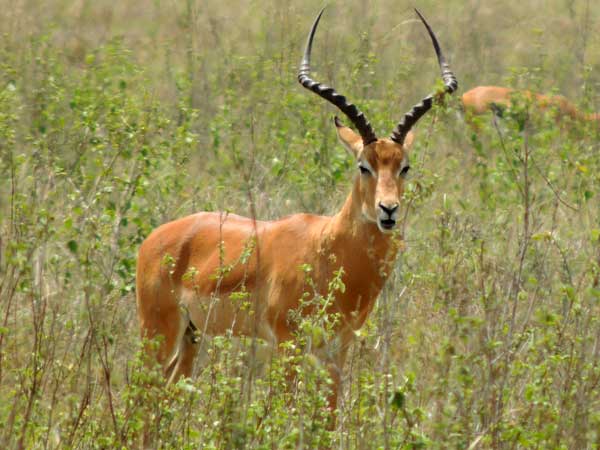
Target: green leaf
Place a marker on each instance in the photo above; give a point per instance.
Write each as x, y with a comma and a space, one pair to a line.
398, 399
72, 245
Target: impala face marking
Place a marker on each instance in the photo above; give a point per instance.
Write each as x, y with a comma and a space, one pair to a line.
383, 166
357, 239
382, 188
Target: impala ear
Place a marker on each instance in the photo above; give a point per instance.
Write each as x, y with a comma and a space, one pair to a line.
408, 140
351, 141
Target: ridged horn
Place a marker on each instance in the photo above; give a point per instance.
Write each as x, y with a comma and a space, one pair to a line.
328, 93
417, 111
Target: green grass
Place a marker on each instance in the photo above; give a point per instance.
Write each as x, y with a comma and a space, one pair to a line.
115, 118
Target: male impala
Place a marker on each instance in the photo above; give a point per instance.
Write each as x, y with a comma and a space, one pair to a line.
187, 269
482, 99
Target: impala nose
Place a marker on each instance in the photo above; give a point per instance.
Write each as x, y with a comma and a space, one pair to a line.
389, 209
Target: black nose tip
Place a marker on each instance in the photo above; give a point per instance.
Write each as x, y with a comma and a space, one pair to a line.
389, 210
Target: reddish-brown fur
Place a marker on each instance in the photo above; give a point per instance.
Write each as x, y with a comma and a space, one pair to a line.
481, 99
179, 262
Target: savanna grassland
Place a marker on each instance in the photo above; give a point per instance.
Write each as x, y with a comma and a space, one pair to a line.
116, 117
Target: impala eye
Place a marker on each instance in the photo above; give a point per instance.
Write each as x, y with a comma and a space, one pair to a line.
364, 170
404, 171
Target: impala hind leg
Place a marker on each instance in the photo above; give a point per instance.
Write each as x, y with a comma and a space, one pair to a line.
182, 362
170, 326
162, 332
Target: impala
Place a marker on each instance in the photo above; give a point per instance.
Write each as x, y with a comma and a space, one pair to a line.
482, 99
190, 293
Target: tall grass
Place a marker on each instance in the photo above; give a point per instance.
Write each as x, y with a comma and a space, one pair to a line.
115, 118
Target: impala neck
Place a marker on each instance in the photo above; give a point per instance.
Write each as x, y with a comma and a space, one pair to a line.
365, 253
351, 234
350, 221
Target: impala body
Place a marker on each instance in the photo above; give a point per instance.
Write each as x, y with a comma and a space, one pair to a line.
266, 259
482, 99
190, 271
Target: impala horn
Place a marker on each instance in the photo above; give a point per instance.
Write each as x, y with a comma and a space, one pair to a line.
417, 111
328, 93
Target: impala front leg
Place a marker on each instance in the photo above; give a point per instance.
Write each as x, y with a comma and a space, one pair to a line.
336, 371
333, 357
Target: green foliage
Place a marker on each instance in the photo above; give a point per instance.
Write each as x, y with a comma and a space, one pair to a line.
114, 122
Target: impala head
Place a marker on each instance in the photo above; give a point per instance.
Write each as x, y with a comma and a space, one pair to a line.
382, 167
383, 163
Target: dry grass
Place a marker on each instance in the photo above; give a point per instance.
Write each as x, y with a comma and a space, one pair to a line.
116, 117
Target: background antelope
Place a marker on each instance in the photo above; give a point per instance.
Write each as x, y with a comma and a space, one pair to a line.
482, 99
264, 258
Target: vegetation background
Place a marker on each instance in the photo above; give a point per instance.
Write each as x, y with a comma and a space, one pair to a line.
116, 117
